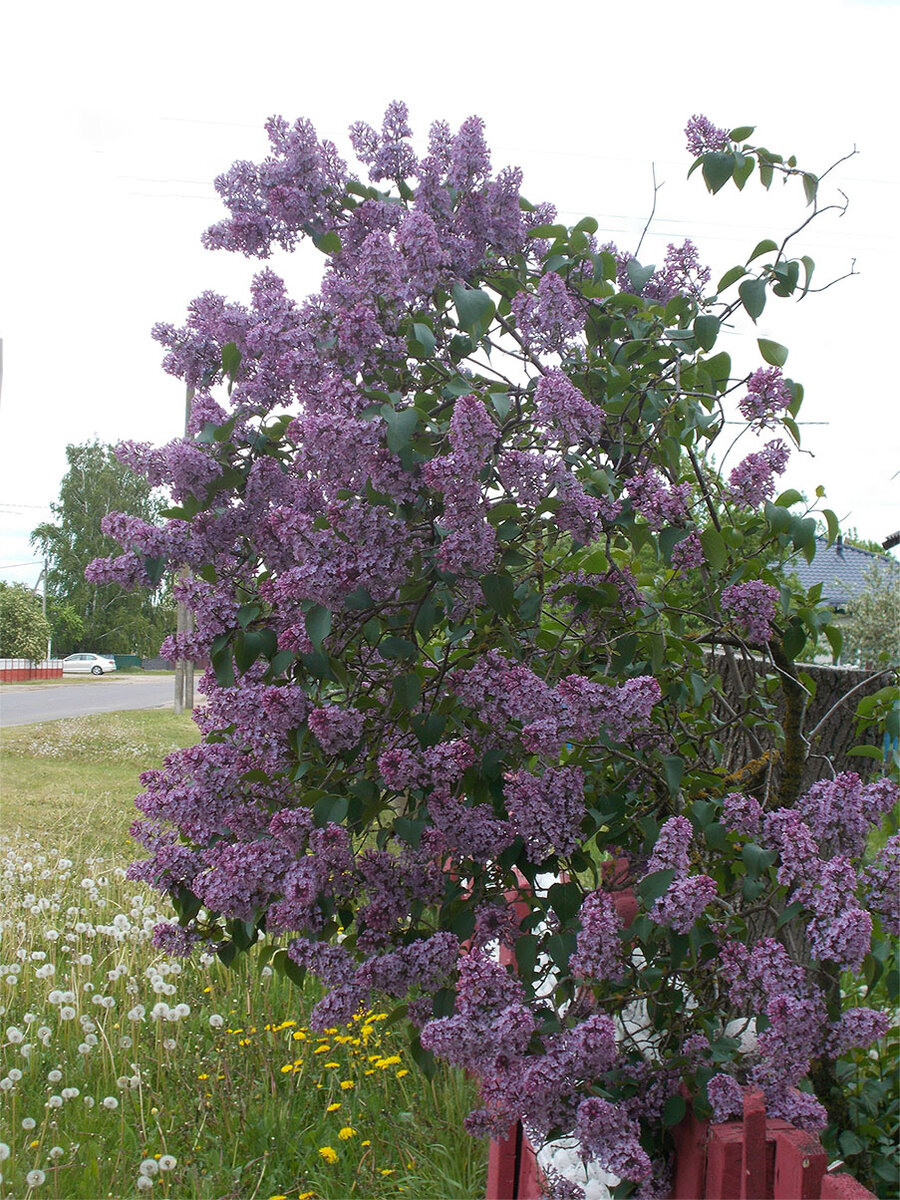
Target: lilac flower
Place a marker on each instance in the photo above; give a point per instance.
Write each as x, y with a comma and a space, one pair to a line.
657, 501
800, 1108
687, 555
840, 812
611, 1138
702, 136
726, 1097
882, 880
336, 729
547, 321
752, 481
741, 814
565, 410
598, 947
670, 853
857, 1028
683, 902
768, 396
682, 274
755, 975
174, 939
752, 606
546, 811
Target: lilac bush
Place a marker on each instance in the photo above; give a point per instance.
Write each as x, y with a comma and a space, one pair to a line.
463, 569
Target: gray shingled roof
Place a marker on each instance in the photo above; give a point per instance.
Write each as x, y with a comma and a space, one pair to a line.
841, 568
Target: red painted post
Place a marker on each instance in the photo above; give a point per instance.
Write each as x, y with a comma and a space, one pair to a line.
753, 1164
843, 1187
503, 1164
724, 1162
690, 1137
800, 1164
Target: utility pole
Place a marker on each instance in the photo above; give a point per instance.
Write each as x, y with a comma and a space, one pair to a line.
184, 622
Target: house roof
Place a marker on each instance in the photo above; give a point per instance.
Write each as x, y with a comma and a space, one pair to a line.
842, 569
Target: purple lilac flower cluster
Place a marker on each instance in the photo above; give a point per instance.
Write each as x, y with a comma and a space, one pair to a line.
702, 136
752, 608
752, 481
687, 896
768, 397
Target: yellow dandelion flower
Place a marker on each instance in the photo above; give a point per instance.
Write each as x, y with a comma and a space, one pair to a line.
278, 1198
366, 1143
334, 1106
387, 1170
331, 1064
328, 1153
370, 1070
391, 1061
306, 1196
374, 1057
33, 1145
203, 1076
403, 1071
347, 1084
235, 1031
378, 1017
287, 1067
298, 1035
330, 1032
346, 1133
322, 1049
287, 1025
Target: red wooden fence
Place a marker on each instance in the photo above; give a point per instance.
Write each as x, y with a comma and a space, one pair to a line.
757, 1158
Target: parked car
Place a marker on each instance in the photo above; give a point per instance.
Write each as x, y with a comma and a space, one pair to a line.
88, 664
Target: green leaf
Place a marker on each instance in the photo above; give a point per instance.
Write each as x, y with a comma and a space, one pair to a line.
731, 276
655, 885
809, 267
773, 352
835, 640
673, 1111
866, 752
330, 810
791, 496
474, 309
401, 426
155, 568
766, 246
565, 899
706, 330
718, 168
423, 338
810, 186
586, 225
741, 133
714, 548
318, 624
328, 243
231, 359
674, 769
753, 296
501, 402
498, 592
407, 690
834, 526
719, 368
397, 647
638, 276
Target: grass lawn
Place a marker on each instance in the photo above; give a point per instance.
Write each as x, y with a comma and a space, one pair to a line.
127, 1073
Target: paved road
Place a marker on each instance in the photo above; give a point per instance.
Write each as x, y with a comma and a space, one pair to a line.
20, 704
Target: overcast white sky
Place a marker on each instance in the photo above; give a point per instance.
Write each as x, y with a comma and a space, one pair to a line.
116, 118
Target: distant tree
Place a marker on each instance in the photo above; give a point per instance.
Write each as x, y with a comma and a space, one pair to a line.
85, 614
872, 631
24, 630
852, 537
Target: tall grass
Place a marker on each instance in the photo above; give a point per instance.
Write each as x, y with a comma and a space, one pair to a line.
125, 1072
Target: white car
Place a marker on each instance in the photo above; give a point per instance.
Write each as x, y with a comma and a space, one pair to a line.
88, 664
